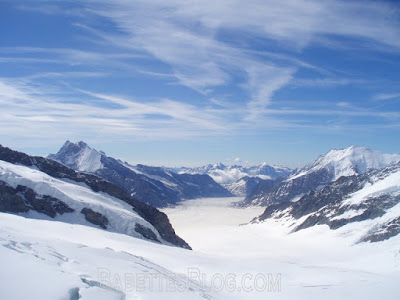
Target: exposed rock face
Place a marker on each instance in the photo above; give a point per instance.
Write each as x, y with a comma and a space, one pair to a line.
55, 169
267, 194
384, 231
146, 232
95, 218
23, 199
152, 185
10, 201
160, 221
349, 199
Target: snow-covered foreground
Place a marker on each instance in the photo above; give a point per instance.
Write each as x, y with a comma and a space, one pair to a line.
52, 260
42, 259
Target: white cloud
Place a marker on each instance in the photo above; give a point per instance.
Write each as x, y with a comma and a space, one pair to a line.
325, 82
41, 111
387, 96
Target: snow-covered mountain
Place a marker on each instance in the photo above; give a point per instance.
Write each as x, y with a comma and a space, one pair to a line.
239, 180
41, 188
349, 161
152, 185
336, 163
372, 198
245, 186
229, 174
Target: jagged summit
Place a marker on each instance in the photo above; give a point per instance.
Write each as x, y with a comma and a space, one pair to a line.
68, 145
325, 169
79, 156
349, 161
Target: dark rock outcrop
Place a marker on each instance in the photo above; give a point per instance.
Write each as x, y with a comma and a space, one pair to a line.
95, 218
146, 232
383, 232
160, 221
10, 201
23, 199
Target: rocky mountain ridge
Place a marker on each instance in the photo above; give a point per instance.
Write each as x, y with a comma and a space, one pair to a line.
372, 197
324, 170
151, 185
44, 186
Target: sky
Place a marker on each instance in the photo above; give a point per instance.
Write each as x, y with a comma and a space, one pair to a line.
194, 82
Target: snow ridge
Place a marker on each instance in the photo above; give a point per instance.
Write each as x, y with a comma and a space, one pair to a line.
229, 174
121, 218
349, 161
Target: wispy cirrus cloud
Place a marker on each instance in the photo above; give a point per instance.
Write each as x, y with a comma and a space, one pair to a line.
113, 116
123, 117
190, 37
68, 56
233, 56
387, 96
326, 82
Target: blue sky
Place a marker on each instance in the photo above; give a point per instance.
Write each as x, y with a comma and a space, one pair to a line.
194, 82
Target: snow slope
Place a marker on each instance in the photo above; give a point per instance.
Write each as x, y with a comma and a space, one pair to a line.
122, 218
79, 262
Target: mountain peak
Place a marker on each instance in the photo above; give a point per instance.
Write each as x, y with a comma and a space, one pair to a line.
71, 146
78, 156
349, 150
219, 166
82, 144
352, 160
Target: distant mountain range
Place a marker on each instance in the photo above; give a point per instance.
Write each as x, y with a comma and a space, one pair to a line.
323, 171
153, 185
41, 188
229, 174
239, 180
